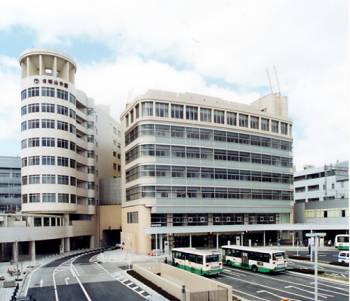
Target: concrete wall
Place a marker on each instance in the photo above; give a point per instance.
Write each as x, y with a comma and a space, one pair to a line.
109, 217
172, 279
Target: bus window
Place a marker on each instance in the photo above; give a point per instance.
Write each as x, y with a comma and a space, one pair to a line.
266, 258
199, 259
212, 258
277, 256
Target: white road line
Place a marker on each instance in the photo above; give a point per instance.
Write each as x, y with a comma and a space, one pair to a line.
29, 280
41, 283
77, 277
66, 280
275, 289
323, 295
338, 288
250, 295
289, 282
278, 296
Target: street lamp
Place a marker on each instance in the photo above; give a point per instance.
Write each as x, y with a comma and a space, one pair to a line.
316, 237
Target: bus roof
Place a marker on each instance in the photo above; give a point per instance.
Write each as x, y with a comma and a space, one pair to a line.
195, 251
261, 250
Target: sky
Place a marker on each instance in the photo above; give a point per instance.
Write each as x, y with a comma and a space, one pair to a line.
219, 48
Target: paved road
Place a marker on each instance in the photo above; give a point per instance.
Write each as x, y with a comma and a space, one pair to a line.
323, 256
76, 278
275, 287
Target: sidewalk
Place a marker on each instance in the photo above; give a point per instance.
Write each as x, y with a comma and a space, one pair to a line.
126, 257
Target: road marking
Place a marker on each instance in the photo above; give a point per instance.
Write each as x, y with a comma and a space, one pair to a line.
29, 280
235, 273
275, 295
250, 295
338, 288
323, 295
66, 280
275, 289
41, 283
289, 282
73, 268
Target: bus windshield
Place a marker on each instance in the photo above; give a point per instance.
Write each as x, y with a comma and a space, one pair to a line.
212, 258
277, 256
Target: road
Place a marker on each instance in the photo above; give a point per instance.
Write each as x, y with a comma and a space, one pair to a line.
275, 287
76, 278
323, 256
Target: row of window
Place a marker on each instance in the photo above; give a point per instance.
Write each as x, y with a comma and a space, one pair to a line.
47, 92
56, 179
9, 195
173, 192
51, 160
47, 108
309, 188
198, 153
326, 213
53, 142
177, 111
52, 124
179, 132
184, 219
53, 198
205, 173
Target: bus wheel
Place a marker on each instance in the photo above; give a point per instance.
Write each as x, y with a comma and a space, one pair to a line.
254, 268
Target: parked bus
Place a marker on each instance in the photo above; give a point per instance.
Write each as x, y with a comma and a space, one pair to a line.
342, 242
255, 259
200, 262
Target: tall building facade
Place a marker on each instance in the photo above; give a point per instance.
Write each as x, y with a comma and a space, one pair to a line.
321, 194
192, 160
10, 184
64, 150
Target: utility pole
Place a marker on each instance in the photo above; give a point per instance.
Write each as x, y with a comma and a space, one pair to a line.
316, 238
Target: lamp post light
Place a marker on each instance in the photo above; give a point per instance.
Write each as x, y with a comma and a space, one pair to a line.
316, 237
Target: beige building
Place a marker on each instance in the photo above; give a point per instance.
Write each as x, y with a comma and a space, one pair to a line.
70, 147
197, 167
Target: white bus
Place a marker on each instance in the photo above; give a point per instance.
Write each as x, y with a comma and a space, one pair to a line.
255, 259
342, 242
200, 262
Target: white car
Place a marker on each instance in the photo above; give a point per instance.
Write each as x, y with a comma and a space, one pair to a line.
343, 256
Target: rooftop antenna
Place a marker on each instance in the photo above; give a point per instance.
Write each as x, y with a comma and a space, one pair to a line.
277, 81
269, 79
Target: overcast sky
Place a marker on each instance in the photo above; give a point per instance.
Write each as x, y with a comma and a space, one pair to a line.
218, 48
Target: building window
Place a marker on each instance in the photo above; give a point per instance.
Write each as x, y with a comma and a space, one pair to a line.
48, 179
34, 142
133, 217
72, 99
254, 122
62, 161
300, 189
137, 111
284, 128
147, 109
62, 110
34, 198
114, 166
61, 125
231, 118
45, 91
131, 116
274, 126
34, 124
23, 94
313, 187
48, 123
62, 94
191, 113
63, 180
48, 160
162, 109
23, 126
265, 124
24, 110
34, 179
63, 198
177, 111
24, 162
48, 108
34, 160
24, 180
205, 115
243, 120
62, 143
32, 92
219, 117
325, 214
33, 108
49, 198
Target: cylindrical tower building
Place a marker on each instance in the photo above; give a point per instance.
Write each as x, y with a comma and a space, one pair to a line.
57, 126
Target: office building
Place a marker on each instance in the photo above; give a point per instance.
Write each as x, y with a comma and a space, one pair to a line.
68, 144
321, 194
197, 162
10, 184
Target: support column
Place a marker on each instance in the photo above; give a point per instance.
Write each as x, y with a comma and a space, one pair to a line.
67, 244
217, 241
92, 241
15, 252
293, 238
27, 66
32, 252
161, 242
54, 71
41, 69
190, 240
264, 238
62, 246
